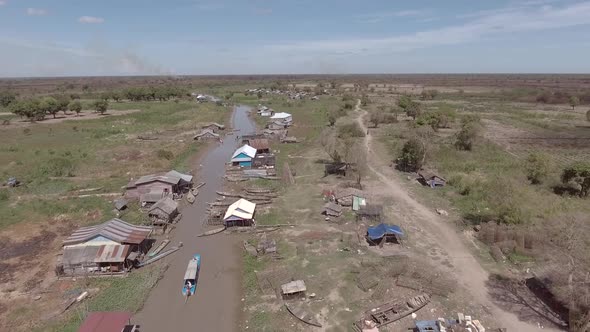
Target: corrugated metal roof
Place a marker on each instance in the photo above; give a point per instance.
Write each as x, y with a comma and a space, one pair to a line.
160, 178
166, 204
247, 150
260, 143
115, 229
112, 254
79, 255
241, 208
177, 174
105, 322
151, 197
281, 115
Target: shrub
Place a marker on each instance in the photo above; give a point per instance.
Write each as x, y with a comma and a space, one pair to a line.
352, 129
164, 154
412, 156
579, 174
536, 167
467, 136
58, 167
4, 195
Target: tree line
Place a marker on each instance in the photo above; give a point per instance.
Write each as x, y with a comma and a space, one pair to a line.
36, 109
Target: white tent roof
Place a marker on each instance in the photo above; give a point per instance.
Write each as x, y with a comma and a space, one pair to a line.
241, 208
247, 150
281, 115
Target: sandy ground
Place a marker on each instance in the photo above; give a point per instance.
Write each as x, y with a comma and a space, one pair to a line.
468, 271
217, 302
69, 117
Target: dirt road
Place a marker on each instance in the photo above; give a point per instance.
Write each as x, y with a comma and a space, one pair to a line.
469, 273
216, 304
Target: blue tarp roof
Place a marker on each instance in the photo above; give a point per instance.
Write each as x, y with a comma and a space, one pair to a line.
381, 230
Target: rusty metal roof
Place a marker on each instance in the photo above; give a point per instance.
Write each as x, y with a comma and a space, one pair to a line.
111, 254
115, 230
113, 321
259, 143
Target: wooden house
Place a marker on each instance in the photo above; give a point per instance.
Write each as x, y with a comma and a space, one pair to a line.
169, 183
108, 248
163, 212
243, 156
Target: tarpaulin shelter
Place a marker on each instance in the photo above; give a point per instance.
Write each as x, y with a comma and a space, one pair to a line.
384, 232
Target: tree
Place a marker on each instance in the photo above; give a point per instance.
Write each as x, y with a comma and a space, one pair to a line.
537, 168
365, 100
466, 138
117, 96
29, 108
7, 98
428, 94
105, 95
376, 118
62, 103
580, 175
574, 101
331, 144
413, 110
259, 95
101, 106
75, 106
412, 156
404, 101
358, 158
50, 106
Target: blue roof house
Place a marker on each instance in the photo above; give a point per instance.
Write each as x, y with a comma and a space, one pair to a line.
243, 156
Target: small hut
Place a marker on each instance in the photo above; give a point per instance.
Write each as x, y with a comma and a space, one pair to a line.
431, 179
347, 196
293, 289
240, 213
163, 212
206, 134
332, 210
120, 204
382, 233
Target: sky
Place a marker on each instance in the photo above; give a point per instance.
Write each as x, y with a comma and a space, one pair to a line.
208, 37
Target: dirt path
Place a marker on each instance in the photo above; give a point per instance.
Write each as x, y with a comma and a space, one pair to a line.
216, 304
469, 273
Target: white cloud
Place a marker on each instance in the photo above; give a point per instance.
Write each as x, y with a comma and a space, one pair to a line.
36, 12
91, 20
380, 17
492, 23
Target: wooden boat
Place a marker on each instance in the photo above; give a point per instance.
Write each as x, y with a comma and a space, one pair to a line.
159, 256
227, 194
190, 197
302, 315
212, 232
199, 185
391, 312
159, 248
191, 275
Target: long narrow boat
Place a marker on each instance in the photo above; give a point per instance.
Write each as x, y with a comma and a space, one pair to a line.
302, 315
191, 275
391, 312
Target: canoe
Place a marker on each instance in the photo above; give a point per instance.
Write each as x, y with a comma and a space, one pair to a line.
191, 275
302, 315
391, 312
199, 185
159, 256
212, 232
